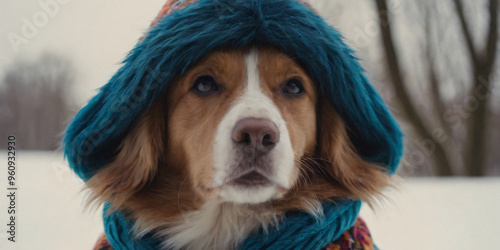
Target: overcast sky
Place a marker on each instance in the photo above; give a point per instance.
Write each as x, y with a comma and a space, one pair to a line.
95, 35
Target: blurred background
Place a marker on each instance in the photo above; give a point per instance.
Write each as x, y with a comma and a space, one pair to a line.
435, 63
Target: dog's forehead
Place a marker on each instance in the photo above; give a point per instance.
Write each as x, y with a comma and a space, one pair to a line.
221, 62
271, 63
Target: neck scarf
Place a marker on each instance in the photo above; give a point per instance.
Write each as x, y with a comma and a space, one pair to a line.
298, 229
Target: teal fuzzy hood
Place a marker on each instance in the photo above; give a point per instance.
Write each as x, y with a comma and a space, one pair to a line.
179, 39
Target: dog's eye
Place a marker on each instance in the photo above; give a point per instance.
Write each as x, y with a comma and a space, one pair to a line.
205, 85
293, 87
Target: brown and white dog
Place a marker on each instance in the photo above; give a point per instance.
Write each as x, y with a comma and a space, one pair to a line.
229, 147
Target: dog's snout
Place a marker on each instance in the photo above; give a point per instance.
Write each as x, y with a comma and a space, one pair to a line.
259, 133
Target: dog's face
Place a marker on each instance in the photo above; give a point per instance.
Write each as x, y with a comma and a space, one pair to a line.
244, 128
242, 120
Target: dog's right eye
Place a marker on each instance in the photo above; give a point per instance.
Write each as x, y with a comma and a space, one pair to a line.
205, 85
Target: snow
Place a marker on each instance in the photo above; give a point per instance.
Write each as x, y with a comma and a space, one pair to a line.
425, 213
432, 213
50, 212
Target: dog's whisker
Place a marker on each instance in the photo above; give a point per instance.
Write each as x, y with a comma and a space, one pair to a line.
179, 192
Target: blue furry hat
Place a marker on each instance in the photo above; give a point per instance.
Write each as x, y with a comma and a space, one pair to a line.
183, 36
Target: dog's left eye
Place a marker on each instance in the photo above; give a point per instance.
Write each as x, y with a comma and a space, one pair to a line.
205, 85
293, 87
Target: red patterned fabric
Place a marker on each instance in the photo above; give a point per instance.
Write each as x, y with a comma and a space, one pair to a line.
358, 237
169, 7
172, 5
102, 243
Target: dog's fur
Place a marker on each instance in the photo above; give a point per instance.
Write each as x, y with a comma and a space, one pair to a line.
169, 173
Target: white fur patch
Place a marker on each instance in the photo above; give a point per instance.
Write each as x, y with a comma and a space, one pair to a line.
253, 103
216, 226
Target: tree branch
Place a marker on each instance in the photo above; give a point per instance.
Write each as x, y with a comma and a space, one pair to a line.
433, 78
477, 136
465, 30
492, 40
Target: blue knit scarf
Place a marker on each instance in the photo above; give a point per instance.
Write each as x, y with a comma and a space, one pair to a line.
184, 36
298, 230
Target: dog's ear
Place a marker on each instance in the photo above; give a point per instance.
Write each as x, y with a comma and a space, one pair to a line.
360, 179
135, 164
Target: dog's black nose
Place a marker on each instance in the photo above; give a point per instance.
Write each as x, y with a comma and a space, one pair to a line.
258, 133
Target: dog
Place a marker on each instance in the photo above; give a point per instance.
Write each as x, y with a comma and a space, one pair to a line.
232, 146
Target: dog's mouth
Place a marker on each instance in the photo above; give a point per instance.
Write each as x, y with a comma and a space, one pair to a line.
253, 184
251, 179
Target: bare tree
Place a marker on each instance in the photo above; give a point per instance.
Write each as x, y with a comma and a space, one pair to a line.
447, 153
482, 60
34, 103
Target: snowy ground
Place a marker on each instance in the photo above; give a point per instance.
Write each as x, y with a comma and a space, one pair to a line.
422, 214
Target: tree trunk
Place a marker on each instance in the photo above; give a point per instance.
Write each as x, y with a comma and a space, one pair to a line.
438, 156
475, 158
483, 62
